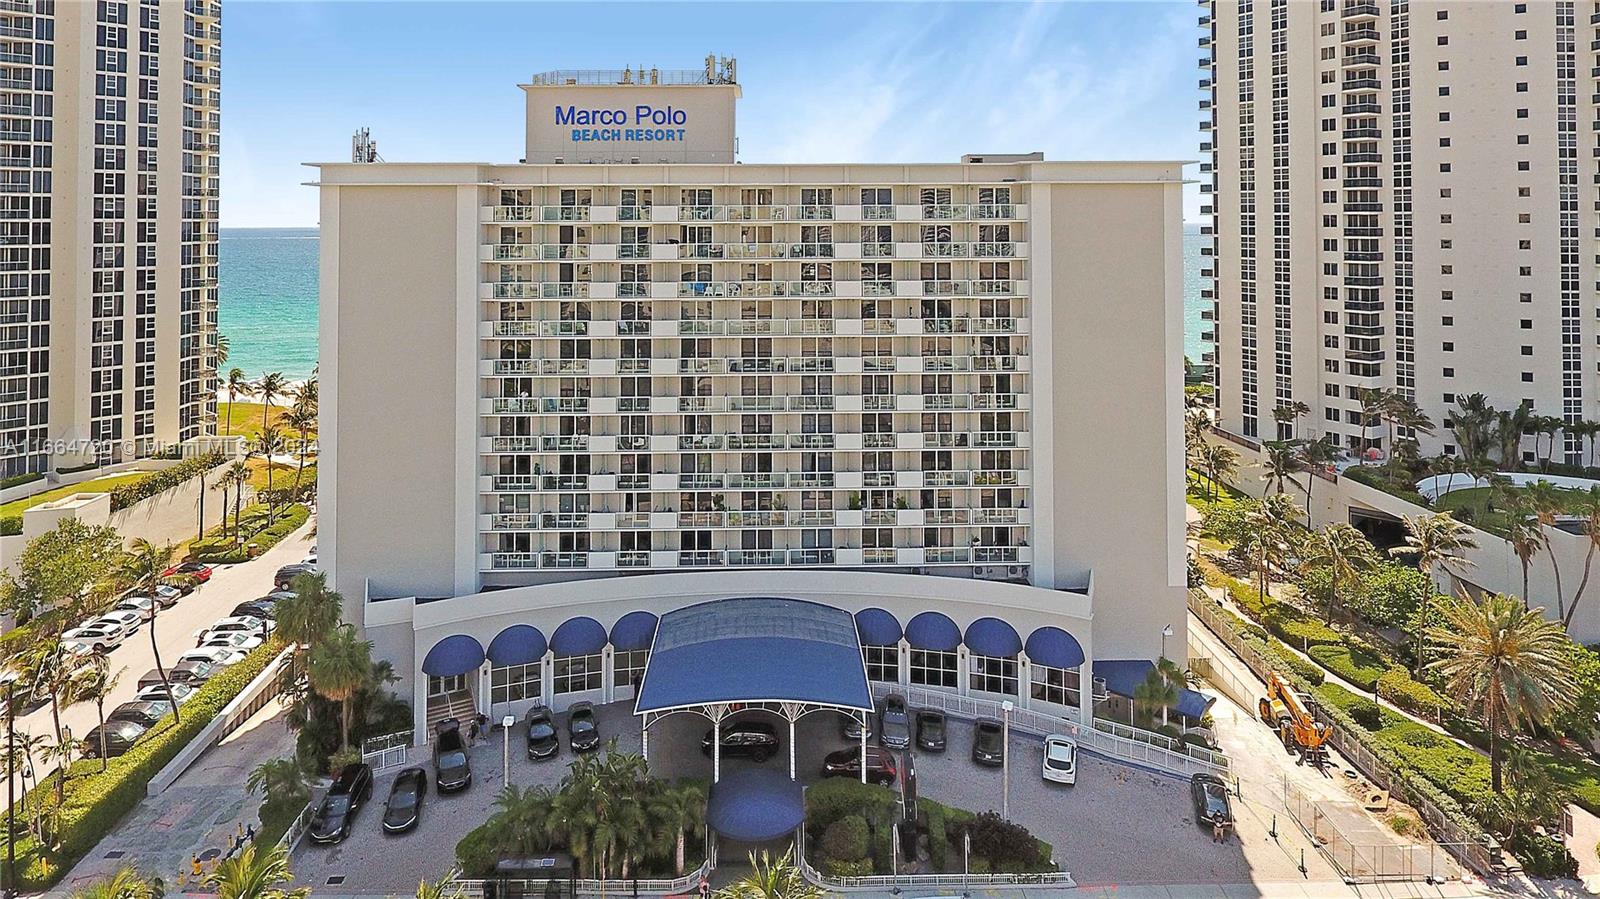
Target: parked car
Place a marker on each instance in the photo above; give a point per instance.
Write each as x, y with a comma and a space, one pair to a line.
543, 741
146, 712
220, 656
143, 606
988, 743
894, 725
350, 791
192, 672
237, 624
240, 640
256, 608
583, 731
754, 740
452, 771
97, 635
311, 558
200, 571
1060, 759
78, 652
1211, 804
881, 768
288, 573
130, 621
403, 809
167, 595
930, 730
850, 728
157, 692
120, 737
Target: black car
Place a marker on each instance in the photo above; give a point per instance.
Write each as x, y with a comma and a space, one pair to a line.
452, 771
988, 743
145, 713
930, 730
850, 728
350, 791
894, 724
1211, 805
119, 738
256, 608
403, 809
543, 741
288, 573
881, 768
754, 740
583, 732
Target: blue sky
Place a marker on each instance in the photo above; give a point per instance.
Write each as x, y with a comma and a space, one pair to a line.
823, 82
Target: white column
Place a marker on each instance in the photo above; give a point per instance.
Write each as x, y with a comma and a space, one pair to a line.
791, 748
863, 747
644, 740
547, 680
963, 672
903, 669
419, 709
716, 749
608, 675
1024, 680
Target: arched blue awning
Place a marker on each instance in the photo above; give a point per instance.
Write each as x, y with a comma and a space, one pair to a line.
877, 628
755, 805
456, 654
579, 636
1054, 648
519, 644
633, 631
994, 638
933, 630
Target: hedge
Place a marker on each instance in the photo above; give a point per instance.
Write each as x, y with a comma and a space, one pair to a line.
222, 549
18, 480
95, 801
1286, 622
1355, 664
10, 526
125, 495
1397, 686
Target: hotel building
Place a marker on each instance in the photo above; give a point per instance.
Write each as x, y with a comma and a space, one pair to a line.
109, 125
1404, 197
629, 373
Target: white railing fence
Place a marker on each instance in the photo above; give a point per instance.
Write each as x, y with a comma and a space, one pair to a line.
475, 888
896, 883
291, 837
387, 751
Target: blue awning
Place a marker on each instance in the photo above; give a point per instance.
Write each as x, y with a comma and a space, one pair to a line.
994, 638
933, 630
1192, 704
633, 631
579, 636
1054, 648
456, 654
877, 628
519, 644
1123, 676
755, 805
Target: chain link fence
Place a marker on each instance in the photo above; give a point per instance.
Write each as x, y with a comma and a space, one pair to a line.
1357, 846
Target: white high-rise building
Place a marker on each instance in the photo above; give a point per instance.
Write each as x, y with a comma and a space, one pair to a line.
1404, 197
629, 373
109, 122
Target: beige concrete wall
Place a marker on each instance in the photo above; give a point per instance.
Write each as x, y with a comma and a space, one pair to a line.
393, 405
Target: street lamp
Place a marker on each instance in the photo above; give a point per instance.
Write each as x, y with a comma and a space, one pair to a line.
1165, 633
10, 679
507, 723
1005, 759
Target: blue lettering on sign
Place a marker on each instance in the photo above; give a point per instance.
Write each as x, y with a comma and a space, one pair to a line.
643, 115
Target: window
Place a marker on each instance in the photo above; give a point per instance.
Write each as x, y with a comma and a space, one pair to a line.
628, 666
1449, 346
441, 686
1527, 324
883, 663
992, 674
932, 668
1527, 376
514, 683
1521, 35
1522, 60
1522, 87
1449, 372
1527, 350
1447, 321
1057, 685
577, 674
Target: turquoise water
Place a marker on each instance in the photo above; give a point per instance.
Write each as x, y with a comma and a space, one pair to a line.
267, 301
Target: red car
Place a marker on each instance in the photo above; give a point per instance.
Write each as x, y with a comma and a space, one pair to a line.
881, 768
200, 571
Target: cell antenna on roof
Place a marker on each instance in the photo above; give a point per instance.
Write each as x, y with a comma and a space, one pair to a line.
363, 148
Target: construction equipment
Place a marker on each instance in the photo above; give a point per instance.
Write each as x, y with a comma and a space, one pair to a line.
1290, 713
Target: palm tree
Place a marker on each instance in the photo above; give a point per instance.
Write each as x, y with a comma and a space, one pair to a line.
1374, 402
1509, 428
279, 777
443, 888
143, 569
269, 444
1525, 537
1315, 455
1471, 423
1281, 463
124, 883
339, 667
255, 874
1345, 551
61, 752
303, 418
1267, 539
771, 878
96, 684
679, 812
1506, 662
271, 386
312, 613
1546, 426
1221, 462
1437, 541
1288, 415
238, 475
306, 394
237, 384
1547, 501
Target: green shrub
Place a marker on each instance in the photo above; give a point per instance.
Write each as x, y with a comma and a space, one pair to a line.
1397, 686
1542, 856
1006, 845
1357, 665
838, 867
845, 839
17, 480
222, 549
1311, 672
837, 797
1367, 714
10, 525
125, 495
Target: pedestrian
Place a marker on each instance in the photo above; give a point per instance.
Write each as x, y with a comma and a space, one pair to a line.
472, 733
1218, 833
705, 887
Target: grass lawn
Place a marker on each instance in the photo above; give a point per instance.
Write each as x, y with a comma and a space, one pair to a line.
1198, 489
282, 472
244, 419
97, 485
1470, 504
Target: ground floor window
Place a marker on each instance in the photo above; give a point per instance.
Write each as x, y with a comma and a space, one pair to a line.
883, 663
514, 683
933, 668
440, 686
1057, 685
577, 674
993, 674
629, 666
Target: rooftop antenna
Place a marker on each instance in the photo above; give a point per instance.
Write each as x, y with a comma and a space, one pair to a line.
363, 148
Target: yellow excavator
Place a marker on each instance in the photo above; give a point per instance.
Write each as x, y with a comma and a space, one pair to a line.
1290, 713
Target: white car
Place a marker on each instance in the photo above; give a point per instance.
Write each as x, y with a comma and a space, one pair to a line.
1060, 759
240, 624
76, 650
311, 559
128, 620
217, 655
143, 606
98, 636
167, 595
158, 693
241, 640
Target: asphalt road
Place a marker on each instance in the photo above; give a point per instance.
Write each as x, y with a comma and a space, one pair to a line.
229, 585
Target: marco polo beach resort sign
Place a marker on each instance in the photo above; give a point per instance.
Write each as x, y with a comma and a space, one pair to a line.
643, 123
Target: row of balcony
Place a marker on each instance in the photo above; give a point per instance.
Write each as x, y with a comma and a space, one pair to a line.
771, 480
909, 326
761, 213
668, 250
666, 443
663, 290
668, 405
908, 364
715, 558
760, 518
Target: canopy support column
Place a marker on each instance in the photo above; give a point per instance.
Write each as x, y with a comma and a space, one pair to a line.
644, 740
863, 747
791, 713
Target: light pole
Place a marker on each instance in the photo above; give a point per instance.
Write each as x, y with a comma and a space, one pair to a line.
1165, 633
506, 724
10, 679
1005, 759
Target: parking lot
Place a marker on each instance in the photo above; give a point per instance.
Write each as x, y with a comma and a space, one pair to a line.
1118, 825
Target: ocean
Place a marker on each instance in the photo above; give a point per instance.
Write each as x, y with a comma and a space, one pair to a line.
267, 298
